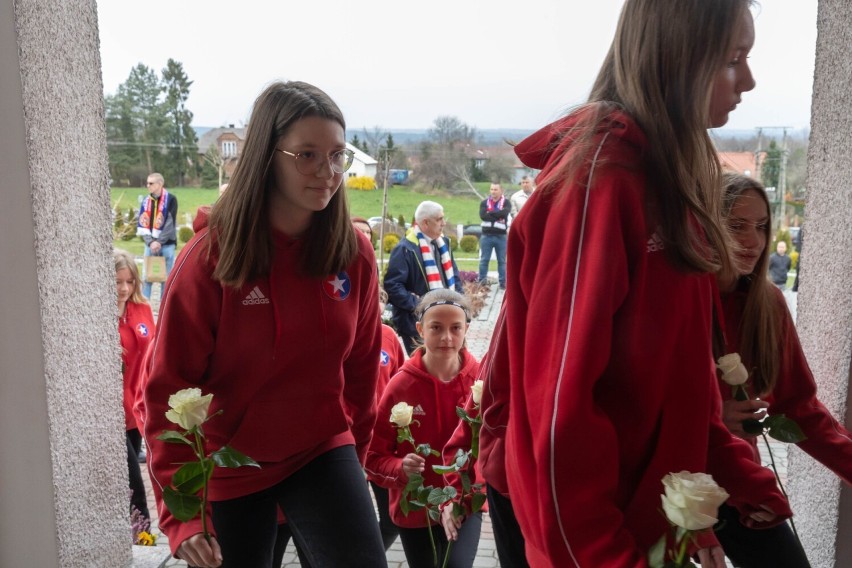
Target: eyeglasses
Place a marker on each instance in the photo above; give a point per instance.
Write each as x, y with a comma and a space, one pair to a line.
309, 163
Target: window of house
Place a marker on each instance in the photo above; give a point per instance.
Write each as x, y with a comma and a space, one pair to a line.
229, 149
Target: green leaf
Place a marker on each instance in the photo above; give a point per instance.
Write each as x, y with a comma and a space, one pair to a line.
190, 478
174, 437
465, 479
444, 469
657, 553
403, 506
784, 429
477, 501
229, 457
415, 480
441, 495
183, 507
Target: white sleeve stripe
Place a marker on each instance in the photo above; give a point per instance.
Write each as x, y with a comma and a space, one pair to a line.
565, 356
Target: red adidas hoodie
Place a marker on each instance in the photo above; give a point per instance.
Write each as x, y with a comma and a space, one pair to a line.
434, 405
795, 393
609, 359
288, 359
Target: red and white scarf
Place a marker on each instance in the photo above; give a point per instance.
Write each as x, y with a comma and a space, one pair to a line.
433, 276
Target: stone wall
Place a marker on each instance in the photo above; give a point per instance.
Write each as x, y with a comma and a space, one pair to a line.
823, 506
64, 500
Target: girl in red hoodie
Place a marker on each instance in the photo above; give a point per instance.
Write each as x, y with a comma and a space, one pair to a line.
758, 326
274, 310
436, 380
610, 294
136, 329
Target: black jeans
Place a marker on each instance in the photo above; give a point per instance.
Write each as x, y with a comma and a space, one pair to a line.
775, 547
328, 510
389, 530
137, 486
418, 548
511, 547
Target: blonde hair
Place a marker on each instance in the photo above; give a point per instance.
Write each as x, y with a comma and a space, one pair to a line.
124, 259
760, 323
660, 70
239, 220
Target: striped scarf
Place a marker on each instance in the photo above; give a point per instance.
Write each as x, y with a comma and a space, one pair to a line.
433, 277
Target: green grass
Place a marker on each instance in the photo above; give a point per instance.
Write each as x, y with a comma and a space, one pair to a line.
458, 209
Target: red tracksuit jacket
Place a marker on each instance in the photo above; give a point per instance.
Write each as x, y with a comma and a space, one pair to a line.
291, 361
136, 329
795, 393
612, 377
434, 405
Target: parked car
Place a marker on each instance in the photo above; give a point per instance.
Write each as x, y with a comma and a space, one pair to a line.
475, 230
796, 237
391, 226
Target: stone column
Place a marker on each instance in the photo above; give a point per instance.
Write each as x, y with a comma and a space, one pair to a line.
63, 470
823, 505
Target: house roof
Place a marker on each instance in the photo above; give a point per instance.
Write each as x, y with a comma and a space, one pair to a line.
741, 163
362, 157
209, 138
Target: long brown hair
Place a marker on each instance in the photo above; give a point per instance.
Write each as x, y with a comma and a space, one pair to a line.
660, 70
240, 221
760, 322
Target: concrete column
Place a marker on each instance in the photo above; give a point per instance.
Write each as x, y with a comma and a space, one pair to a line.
63, 470
823, 505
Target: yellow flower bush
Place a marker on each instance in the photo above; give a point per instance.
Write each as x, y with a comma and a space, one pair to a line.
361, 183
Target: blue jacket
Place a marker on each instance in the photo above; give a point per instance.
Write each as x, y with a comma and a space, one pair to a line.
405, 282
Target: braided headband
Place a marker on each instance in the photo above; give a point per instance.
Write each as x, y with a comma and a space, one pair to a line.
446, 303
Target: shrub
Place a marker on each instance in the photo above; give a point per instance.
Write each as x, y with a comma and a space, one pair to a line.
185, 233
401, 221
469, 243
361, 183
391, 240
468, 276
454, 243
794, 260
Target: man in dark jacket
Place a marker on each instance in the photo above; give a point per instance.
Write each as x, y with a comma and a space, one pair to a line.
494, 213
422, 261
779, 265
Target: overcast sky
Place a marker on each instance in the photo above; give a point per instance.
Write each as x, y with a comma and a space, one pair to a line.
398, 64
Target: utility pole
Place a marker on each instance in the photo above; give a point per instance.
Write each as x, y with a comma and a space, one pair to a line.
384, 214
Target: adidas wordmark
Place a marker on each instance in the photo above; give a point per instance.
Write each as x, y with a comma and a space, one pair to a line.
255, 297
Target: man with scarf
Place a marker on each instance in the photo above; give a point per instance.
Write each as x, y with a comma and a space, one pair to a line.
494, 213
422, 261
157, 225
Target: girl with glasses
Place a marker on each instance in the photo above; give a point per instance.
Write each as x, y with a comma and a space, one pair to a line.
610, 294
274, 310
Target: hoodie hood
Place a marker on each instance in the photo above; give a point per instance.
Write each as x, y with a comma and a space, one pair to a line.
202, 218
537, 150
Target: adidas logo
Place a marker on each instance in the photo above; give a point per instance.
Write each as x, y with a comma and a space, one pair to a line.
255, 297
418, 411
655, 243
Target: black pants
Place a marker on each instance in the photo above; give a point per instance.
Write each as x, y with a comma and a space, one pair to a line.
389, 530
418, 548
328, 510
511, 547
775, 547
137, 486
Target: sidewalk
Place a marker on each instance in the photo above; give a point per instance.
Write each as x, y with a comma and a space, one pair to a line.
478, 338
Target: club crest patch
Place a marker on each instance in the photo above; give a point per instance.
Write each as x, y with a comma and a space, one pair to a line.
337, 287
384, 358
142, 330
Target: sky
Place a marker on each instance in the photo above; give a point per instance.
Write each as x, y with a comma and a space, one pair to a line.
394, 64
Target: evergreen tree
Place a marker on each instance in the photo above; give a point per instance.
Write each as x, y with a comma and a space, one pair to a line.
770, 171
180, 137
141, 93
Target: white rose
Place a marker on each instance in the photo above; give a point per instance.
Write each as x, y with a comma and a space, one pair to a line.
476, 391
401, 414
733, 371
692, 500
188, 407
